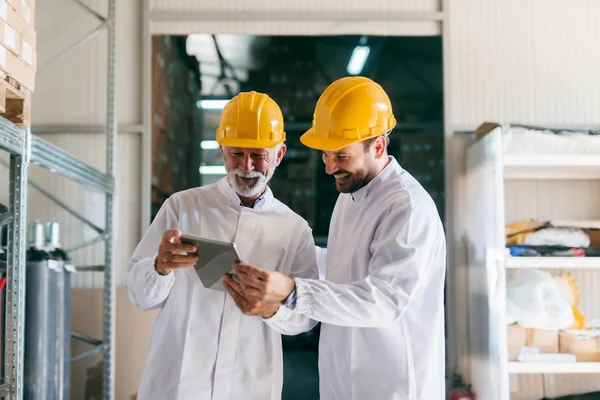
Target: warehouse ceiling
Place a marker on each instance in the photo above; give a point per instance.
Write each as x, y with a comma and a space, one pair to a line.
295, 70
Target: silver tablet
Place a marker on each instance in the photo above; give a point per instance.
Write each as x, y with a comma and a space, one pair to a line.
214, 259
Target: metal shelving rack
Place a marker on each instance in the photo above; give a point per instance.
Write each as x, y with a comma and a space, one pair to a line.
25, 149
489, 171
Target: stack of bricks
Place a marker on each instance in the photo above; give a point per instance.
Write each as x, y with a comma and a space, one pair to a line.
18, 61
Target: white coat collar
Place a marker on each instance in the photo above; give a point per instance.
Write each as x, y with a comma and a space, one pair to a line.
226, 190
391, 169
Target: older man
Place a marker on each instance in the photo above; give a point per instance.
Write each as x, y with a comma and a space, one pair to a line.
202, 346
382, 303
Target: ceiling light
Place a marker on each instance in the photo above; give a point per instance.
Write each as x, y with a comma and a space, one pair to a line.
209, 144
358, 59
212, 104
212, 170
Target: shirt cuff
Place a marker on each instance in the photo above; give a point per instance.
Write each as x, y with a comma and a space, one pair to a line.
290, 301
301, 297
282, 315
152, 276
304, 296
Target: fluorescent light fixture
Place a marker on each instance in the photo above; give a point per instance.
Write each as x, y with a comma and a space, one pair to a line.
358, 59
209, 145
213, 170
212, 104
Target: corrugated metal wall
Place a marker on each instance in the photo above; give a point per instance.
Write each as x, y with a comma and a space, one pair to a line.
73, 91
533, 61
308, 5
272, 17
385, 28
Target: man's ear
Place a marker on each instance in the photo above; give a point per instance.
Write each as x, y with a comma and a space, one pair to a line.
380, 146
281, 153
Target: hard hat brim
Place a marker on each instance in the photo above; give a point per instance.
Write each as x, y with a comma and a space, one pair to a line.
248, 143
317, 142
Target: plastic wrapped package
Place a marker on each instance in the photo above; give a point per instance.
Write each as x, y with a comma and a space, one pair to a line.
558, 237
520, 140
533, 300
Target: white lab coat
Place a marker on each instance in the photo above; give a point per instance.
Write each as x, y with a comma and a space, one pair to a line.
202, 347
382, 303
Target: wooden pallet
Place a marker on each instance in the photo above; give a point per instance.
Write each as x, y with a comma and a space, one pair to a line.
15, 101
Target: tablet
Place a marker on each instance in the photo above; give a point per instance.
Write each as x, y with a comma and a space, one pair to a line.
214, 259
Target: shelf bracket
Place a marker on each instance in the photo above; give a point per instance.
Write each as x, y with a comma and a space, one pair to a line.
90, 10
73, 46
61, 204
6, 218
86, 339
91, 268
96, 350
92, 242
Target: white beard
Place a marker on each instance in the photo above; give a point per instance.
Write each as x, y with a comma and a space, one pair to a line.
249, 190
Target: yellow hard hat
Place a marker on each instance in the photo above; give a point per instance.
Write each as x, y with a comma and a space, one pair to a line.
251, 120
351, 109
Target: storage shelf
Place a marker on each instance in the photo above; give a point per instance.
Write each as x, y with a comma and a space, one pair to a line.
4, 389
515, 367
26, 149
55, 159
12, 137
549, 166
553, 262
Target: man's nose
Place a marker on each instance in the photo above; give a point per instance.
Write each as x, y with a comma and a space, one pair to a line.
330, 166
246, 164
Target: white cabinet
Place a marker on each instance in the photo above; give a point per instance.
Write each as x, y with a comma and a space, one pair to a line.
507, 187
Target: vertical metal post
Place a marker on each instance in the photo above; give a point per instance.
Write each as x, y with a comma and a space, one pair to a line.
15, 295
109, 284
453, 350
146, 181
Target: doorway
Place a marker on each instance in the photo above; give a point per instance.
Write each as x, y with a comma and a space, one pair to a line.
193, 77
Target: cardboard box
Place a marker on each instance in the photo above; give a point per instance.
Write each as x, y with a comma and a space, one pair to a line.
25, 11
28, 54
16, 34
17, 69
12, 18
517, 337
2, 99
28, 48
570, 385
16, 4
584, 344
10, 38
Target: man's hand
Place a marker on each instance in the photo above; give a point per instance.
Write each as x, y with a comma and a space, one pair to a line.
248, 305
173, 254
269, 287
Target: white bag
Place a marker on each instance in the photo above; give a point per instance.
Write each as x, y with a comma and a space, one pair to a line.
533, 300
